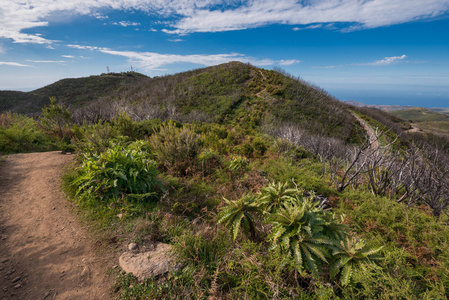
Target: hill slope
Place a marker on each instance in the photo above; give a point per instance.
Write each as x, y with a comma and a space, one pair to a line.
73, 92
231, 93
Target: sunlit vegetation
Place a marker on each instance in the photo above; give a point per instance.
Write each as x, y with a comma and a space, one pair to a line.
279, 193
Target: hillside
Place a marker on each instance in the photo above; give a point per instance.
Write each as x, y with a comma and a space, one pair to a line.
74, 92
264, 186
232, 93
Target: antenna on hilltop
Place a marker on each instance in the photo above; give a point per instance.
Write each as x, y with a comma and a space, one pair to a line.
107, 68
131, 68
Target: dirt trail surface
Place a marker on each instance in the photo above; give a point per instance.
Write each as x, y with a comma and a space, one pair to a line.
44, 252
372, 135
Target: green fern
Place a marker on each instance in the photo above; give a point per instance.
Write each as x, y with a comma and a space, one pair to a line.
298, 230
351, 255
238, 214
275, 196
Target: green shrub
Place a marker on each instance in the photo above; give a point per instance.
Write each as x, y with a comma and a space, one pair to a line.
56, 118
350, 256
22, 134
274, 196
206, 249
260, 146
238, 214
298, 230
95, 138
209, 160
247, 150
238, 163
177, 148
119, 171
135, 130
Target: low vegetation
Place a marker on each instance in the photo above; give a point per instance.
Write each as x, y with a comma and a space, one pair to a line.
420, 115
257, 207
20, 134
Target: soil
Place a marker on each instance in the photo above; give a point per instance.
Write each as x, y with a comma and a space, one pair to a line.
44, 251
372, 135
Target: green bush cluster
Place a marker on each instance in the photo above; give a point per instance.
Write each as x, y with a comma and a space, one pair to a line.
177, 148
301, 229
22, 134
121, 171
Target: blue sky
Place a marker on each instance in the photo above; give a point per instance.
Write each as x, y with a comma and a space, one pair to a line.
372, 51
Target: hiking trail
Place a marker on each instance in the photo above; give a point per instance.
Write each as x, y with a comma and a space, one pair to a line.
44, 251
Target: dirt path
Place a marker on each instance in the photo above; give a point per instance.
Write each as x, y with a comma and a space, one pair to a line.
414, 128
44, 252
374, 141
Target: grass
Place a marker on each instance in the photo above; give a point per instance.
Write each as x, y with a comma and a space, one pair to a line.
419, 115
435, 127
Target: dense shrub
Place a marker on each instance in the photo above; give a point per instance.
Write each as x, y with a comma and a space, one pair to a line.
120, 171
95, 138
22, 134
177, 148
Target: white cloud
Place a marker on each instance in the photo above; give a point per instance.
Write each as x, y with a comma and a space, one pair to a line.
2, 50
385, 61
288, 62
176, 40
214, 16
126, 23
368, 14
308, 27
50, 47
382, 62
46, 61
14, 64
100, 16
152, 61
68, 56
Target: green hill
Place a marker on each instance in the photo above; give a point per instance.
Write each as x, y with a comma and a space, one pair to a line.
232, 93
74, 92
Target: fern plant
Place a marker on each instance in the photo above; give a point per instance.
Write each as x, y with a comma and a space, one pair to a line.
238, 214
275, 196
299, 231
351, 255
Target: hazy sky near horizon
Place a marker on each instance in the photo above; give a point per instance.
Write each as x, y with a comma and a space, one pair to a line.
373, 51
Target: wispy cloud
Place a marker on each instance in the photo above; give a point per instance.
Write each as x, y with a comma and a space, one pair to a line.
46, 61
288, 62
126, 23
175, 40
385, 61
366, 14
68, 56
152, 61
99, 16
381, 62
14, 64
307, 27
191, 16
